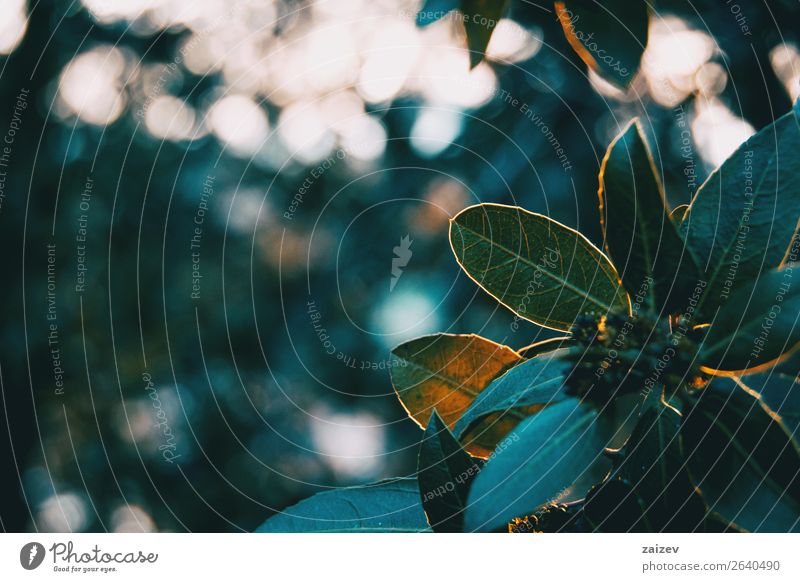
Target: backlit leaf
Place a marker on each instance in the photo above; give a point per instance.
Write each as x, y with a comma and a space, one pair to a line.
781, 393
444, 471
759, 324
743, 218
742, 458
653, 465
538, 381
608, 36
677, 214
387, 506
535, 266
447, 372
536, 463
640, 238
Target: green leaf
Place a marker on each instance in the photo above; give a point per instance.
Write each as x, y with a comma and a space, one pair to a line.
536, 463
677, 214
434, 10
612, 507
653, 465
480, 19
759, 325
545, 346
781, 393
386, 506
538, 268
743, 218
447, 372
538, 381
742, 458
609, 36
640, 239
444, 472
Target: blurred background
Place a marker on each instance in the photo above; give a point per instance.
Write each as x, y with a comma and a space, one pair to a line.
218, 217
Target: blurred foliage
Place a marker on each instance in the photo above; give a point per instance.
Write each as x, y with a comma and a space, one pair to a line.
259, 413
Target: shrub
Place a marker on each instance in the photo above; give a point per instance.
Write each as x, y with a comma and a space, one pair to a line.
668, 405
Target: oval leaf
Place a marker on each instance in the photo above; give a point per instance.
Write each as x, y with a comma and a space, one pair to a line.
480, 19
744, 216
608, 36
781, 393
639, 236
447, 372
537, 267
653, 465
536, 463
386, 506
538, 381
444, 472
742, 459
758, 326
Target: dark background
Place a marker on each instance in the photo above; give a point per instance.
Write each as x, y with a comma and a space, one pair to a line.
248, 100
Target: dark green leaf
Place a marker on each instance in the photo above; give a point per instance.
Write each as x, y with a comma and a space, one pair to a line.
742, 458
608, 36
641, 240
535, 266
386, 506
536, 463
757, 326
434, 10
538, 381
612, 507
653, 465
447, 372
781, 393
743, 218
444, 471
480, 19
